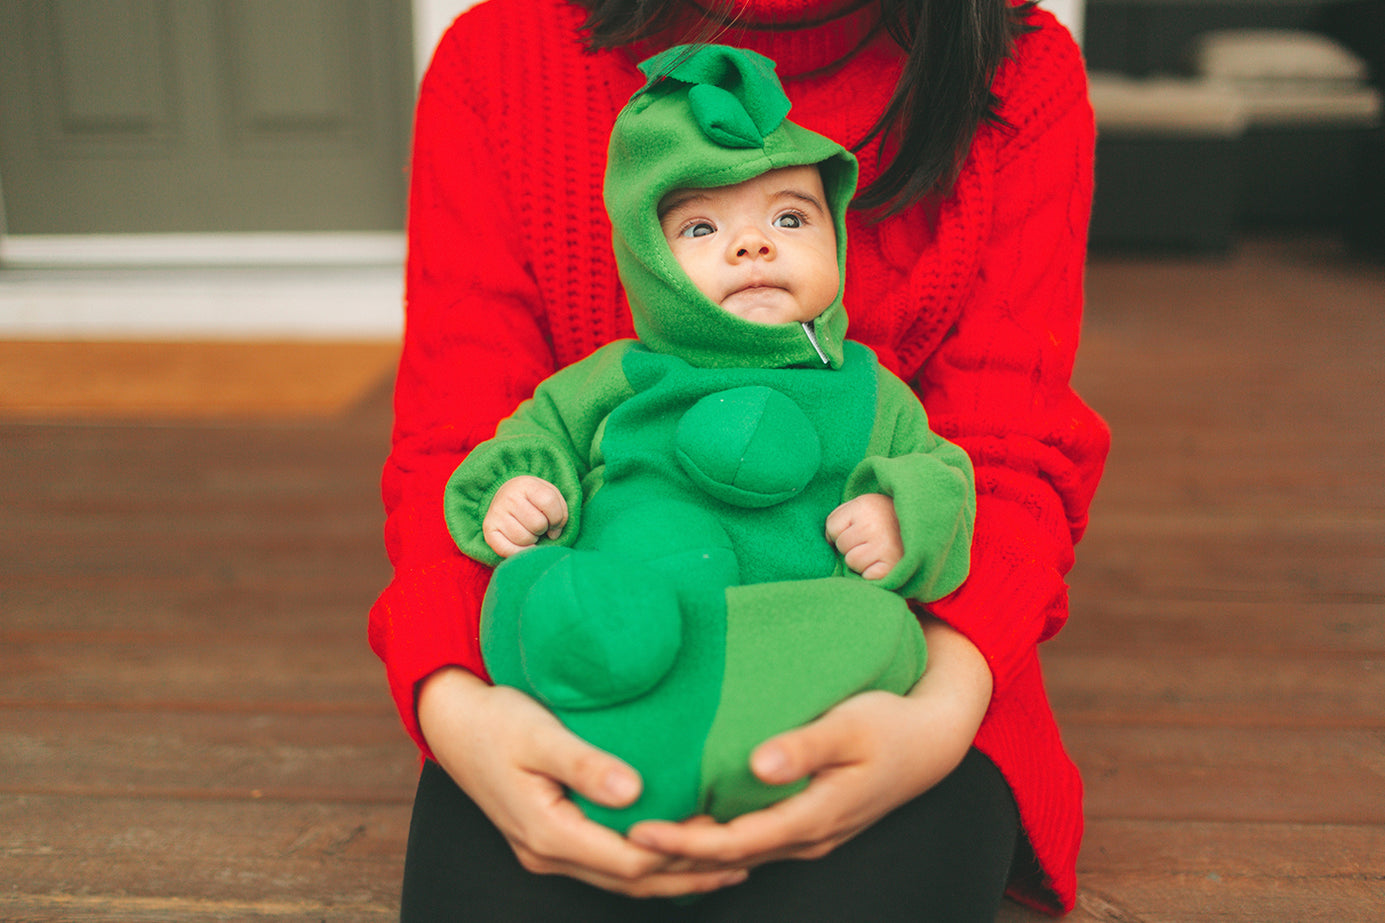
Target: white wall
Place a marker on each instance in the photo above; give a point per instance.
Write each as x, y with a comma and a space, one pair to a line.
1069, 13
431, 19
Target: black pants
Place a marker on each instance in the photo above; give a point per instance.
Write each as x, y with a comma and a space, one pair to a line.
945, 856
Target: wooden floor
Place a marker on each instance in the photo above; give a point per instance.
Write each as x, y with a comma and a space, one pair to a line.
192, 727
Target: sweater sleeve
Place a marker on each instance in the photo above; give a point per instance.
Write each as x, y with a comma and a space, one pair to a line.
999, 384
475, 345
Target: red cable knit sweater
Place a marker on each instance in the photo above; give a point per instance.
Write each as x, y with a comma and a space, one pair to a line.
975, 300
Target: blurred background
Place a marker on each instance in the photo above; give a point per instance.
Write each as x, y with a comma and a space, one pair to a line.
138, 133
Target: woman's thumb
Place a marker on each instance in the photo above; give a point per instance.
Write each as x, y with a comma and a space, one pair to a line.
790, 756
593, 773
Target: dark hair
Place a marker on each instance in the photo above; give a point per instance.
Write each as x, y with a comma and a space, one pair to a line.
953, 49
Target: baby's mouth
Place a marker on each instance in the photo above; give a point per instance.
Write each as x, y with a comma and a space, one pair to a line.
755, 285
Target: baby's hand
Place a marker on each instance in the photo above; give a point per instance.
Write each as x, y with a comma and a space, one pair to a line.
866, 532
522, 511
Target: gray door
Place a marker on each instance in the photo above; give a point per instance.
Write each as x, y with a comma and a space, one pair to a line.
179, 116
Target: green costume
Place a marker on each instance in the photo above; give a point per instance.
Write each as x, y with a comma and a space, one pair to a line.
692, 607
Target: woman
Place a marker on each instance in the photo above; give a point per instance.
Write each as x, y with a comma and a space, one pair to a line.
964, 273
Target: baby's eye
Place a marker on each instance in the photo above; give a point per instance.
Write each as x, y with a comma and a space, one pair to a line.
789, 220
697, 229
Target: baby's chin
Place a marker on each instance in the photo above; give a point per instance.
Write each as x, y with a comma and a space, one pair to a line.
766, 305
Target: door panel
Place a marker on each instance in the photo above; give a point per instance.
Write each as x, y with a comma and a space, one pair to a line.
203, 115
108, 68
291, 74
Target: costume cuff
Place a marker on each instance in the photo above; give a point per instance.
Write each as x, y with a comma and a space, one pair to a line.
474, 484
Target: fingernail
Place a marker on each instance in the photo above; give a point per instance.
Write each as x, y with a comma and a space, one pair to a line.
621, 786
769, 763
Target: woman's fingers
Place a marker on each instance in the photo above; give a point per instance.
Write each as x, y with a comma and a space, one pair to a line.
517, 762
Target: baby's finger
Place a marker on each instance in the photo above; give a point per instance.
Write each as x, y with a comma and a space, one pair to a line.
529, 517
862, 559
838, 522
877, 570
507, 538
549, 502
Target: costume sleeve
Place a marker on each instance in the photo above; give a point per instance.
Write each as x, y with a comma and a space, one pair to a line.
553, 436
999, 384
475, 345
930, 481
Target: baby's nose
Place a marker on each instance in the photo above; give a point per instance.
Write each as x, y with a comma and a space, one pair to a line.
752, 244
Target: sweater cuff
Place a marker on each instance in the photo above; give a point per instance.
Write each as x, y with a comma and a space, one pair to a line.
1010, 601
428, 619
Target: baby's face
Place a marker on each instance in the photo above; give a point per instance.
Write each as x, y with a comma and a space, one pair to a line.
765, 249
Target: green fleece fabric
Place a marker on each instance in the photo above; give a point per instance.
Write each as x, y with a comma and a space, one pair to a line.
731, 443
693, 607
792, 652
553, 436
625, 644
934, 491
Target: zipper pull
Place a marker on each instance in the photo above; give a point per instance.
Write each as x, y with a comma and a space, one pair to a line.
813, 338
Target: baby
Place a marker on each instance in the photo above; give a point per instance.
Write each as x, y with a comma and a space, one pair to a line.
675, 601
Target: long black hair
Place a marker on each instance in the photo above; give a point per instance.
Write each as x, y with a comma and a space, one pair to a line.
952, 48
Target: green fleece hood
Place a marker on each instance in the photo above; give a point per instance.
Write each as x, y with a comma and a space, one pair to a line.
711, 115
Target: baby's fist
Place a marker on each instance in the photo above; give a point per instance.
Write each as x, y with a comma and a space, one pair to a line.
866, 532
523, 510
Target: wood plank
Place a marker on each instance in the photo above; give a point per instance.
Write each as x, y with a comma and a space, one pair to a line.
1141, 871
245, 668
187, 380
298, 603
201, 755
200, 859
1107, 622
230, 669
270, 528
1244, 774
75, 908
145, 466
1134, 871
1253, 562
1233, 849
1196, 689
1244, 480
262, 556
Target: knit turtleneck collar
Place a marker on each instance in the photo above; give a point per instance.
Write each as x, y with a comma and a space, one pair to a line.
802, 36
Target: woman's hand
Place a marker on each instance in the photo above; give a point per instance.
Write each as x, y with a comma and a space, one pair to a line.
867, 756
516, 761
